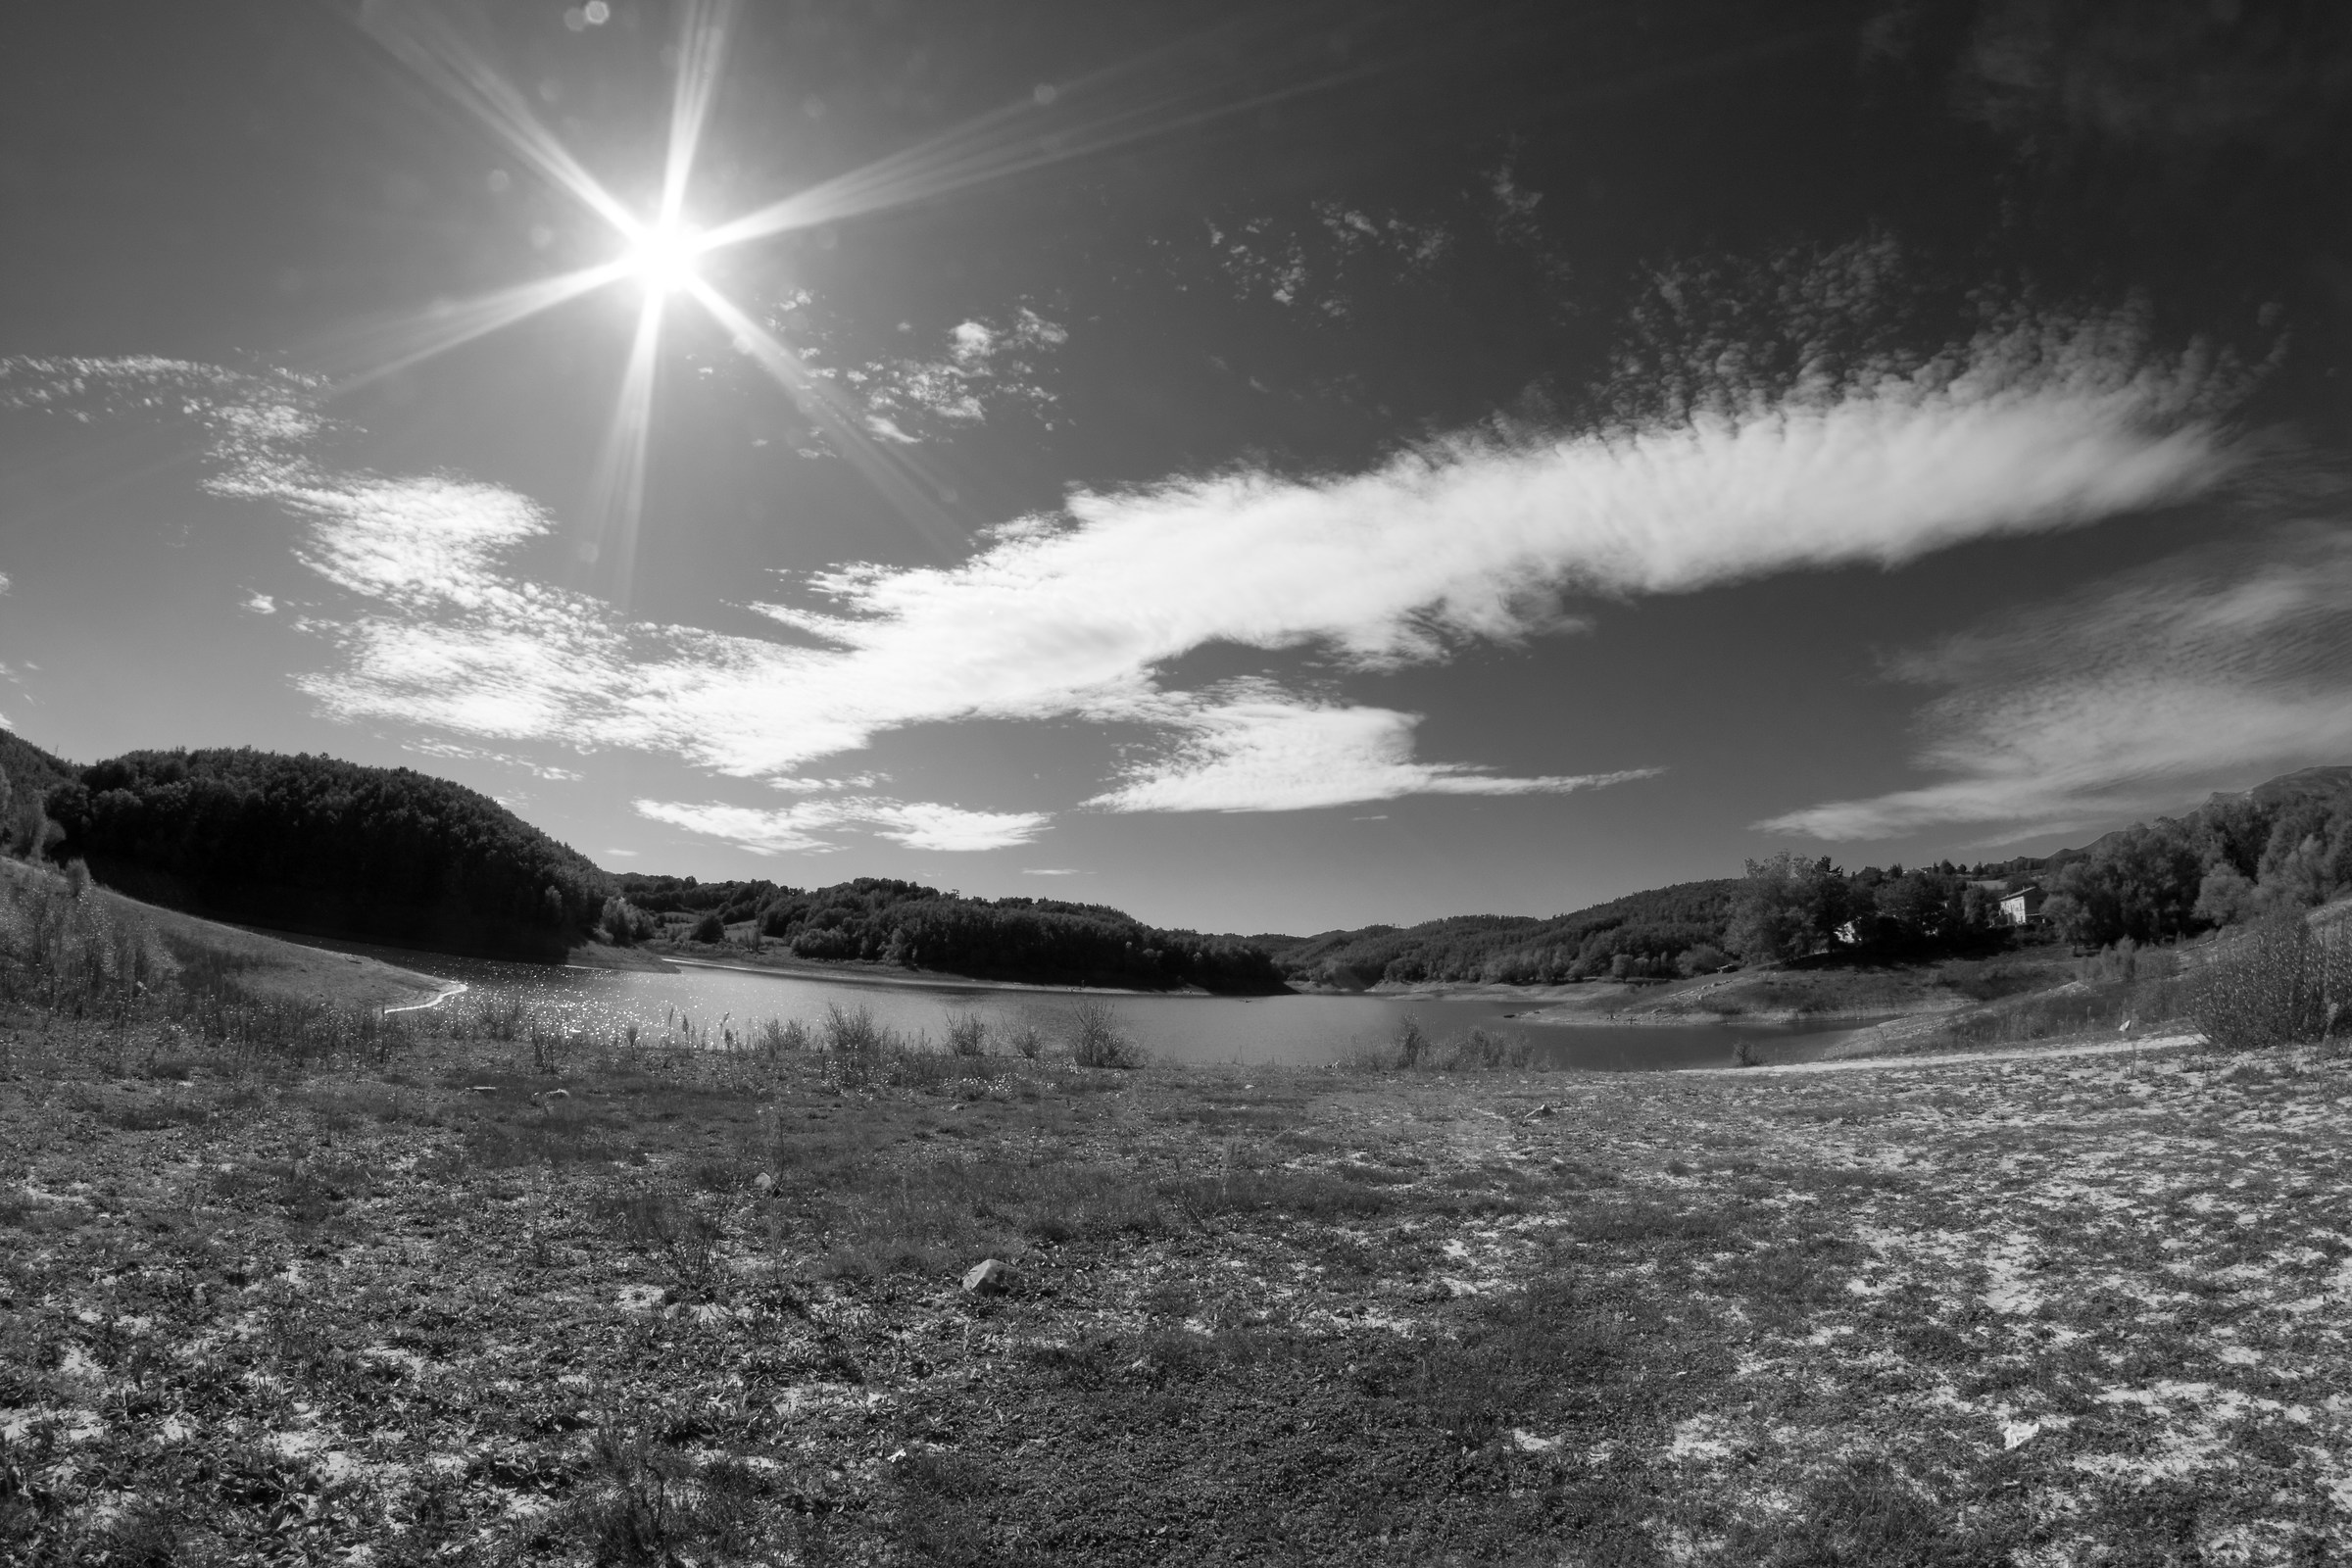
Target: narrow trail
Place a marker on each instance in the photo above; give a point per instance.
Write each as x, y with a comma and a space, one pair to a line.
455, 988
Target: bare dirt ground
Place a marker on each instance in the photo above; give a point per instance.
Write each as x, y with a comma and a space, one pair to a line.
2047, 1309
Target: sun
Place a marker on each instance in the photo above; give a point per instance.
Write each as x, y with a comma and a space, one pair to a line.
663, 256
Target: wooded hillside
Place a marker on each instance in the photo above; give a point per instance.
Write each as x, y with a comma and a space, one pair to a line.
314, 844
27, 777
1042, 939
1640, 933
2283, 844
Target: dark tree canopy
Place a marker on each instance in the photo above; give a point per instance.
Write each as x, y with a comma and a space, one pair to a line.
882, 921
1640, 934
312, 845
27, 777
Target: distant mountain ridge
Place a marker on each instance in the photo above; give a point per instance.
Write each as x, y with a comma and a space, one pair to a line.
311, 844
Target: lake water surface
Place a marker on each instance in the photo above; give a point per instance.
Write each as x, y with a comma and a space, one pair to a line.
1291, 1030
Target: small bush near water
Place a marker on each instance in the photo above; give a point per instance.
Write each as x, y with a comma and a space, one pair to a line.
1474, 1050
967, 1034
778, 1036
1098, 1039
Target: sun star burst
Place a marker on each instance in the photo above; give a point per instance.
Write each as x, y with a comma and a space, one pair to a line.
662, 254
662, 257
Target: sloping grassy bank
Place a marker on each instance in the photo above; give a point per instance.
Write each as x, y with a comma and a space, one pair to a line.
37, 910
398, 1303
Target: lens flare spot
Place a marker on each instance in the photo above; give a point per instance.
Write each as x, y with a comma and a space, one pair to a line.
662, 257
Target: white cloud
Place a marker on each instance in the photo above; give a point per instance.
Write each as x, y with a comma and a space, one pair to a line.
794, 829
1078, 615
1053, 870
2206, 671
261, 604
1259, 750
806, 786
4, 584
475, 753
985, 370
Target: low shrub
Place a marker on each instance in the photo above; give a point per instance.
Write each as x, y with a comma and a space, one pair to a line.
967, 1034
1477, 1050
1099, 1040
685, 1236
1474, 1050
852, 1032
2278, 982
780, 1035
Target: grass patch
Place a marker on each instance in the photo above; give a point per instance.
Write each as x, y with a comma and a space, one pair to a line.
707, 1306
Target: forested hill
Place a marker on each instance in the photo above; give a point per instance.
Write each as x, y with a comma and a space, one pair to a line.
314, 844
2283, 846
309, 844
883, 920
1642, 933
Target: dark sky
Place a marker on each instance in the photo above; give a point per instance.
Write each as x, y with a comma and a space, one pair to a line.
1265, 468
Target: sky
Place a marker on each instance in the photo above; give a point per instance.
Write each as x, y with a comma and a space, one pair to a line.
1267, 467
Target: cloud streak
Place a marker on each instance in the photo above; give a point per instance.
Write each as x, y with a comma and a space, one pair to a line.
1262, 751
1081, 613
794, 829
2204, 671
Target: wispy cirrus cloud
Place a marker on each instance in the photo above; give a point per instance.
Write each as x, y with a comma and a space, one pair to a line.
1258, 748
2205, 670
1477, 540
794, 829
454, 752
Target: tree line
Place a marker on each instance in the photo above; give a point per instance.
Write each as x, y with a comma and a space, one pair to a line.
2286, 845
316, 844
882, 921
1660, 931
2282, 846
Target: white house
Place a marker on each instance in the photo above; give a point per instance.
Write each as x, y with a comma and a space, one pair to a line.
2021, 907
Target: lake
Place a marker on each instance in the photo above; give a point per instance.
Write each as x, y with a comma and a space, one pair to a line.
1289, 1030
